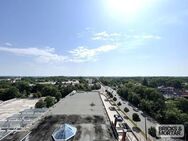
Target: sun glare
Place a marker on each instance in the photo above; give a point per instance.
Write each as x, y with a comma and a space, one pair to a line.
126, 7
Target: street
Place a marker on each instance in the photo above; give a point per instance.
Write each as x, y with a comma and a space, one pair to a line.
143, 117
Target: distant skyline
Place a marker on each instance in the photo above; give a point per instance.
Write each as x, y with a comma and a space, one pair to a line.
94, 38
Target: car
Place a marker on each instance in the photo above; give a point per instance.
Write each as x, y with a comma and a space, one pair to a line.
112, 108
135, 109
106, 100
129, 104
143, 114
126, 117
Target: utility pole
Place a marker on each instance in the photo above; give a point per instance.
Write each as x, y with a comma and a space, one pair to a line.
146, 130
185, 136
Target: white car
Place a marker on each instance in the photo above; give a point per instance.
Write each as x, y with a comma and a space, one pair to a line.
135, 109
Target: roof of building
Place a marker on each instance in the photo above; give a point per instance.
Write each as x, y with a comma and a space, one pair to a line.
185, 94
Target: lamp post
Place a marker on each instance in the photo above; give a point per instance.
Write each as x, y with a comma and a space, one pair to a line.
124, 135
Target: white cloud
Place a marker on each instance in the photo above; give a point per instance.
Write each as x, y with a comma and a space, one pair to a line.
8, 44
46, 55
120, 37
105, 36
142, 37
149, 36
89, 29
81, 53
43, 55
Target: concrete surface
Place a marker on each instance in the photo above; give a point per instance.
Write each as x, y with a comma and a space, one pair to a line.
11, 107
86, 103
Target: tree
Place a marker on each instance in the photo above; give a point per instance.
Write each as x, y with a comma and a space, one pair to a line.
23, 87
40, 104
145, 105
58, 96
135, 117
110, 94
50, 101
119, 103
37, 95
95, 86
182, 104
134, 99
172, 116
5, 84
123, 92
49, 90
66, 90
145, 82
174, 83
151, 94
139, 89
126, 109
186, 86
37, 88
10, 93
152, 131
115, 99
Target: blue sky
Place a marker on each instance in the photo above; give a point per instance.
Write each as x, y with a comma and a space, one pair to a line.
94, 37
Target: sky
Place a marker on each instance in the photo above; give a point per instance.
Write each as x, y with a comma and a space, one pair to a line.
93, 38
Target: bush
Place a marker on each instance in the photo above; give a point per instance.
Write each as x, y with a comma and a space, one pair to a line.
40, 104
126, 109
47, 102
135, 117
115, 99
152, 131
119, 104
50, 101
109, 93
37, 95
111, 96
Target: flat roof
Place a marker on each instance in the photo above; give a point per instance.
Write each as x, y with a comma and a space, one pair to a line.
85, 103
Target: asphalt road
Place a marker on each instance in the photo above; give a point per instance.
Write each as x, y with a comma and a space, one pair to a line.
149, 121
